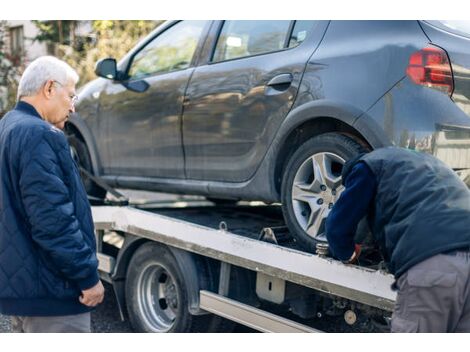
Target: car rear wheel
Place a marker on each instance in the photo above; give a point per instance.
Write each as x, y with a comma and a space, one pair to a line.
311, 184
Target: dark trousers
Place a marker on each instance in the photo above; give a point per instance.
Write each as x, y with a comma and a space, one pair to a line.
434, 295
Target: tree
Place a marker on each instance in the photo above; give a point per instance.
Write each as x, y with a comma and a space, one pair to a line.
108, 39
10, 68
60, 32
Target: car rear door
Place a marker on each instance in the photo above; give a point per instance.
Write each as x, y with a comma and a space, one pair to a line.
237, 100
142, 114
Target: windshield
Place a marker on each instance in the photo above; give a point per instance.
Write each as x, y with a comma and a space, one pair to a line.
456, 27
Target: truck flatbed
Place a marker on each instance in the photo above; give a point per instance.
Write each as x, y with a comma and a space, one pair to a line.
231, 235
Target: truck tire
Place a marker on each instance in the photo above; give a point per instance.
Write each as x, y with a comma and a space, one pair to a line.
81, 156
157, 295
311, 184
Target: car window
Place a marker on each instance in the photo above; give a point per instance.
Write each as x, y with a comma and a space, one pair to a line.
246, 38
170, 51
299, 32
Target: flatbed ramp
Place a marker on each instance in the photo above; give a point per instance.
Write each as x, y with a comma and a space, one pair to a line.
363, 285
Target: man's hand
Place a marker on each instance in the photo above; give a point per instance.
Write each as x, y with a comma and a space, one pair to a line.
355, 255
93, 296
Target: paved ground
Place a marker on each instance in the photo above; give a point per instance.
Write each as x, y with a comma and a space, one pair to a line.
104, 319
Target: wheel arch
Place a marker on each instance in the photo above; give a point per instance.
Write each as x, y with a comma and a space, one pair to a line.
307, 130
78, 127
318, 118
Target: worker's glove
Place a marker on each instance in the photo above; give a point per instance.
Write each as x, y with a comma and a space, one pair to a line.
355, 255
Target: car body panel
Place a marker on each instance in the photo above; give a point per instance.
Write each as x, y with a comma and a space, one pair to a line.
85, 120
232, 114
144, 124
358, 61
232, 138
458, 50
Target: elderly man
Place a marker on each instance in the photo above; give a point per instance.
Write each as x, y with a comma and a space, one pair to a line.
419, 213
48, 267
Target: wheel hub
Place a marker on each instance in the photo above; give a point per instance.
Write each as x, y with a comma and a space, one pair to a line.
158, 298
316, 187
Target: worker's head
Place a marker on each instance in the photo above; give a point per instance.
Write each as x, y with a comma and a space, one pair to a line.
49, 85
347, 167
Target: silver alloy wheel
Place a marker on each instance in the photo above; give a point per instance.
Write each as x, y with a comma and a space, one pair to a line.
316, 187
157, 298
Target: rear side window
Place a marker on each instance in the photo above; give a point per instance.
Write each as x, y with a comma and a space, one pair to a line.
299, 32
246, 38
172, 50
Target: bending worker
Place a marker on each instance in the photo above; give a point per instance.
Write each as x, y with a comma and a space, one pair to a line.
419, 213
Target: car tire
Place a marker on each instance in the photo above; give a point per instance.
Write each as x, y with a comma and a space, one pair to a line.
81, 156
311, 183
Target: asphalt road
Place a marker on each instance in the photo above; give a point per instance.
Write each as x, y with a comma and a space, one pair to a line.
105, 318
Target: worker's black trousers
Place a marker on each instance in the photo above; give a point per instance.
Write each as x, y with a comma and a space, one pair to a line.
434, 295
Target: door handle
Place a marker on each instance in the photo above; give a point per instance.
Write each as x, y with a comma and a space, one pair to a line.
282, 79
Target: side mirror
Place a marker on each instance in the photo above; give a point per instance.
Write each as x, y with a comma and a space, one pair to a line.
137, 86
106, 68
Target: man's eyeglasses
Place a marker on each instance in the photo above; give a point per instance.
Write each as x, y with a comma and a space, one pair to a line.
73, 97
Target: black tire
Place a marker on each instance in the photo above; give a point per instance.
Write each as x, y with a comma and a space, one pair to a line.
80, 154
157, 295
334, 149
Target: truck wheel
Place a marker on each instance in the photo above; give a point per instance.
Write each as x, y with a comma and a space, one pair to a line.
156, 293
80, 154
311, 184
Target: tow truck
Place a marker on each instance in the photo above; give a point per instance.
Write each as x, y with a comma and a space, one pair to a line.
182, 266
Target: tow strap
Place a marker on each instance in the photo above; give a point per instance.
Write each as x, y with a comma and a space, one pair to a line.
120, 200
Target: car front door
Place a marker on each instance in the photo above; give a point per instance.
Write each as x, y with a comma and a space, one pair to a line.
236, 101
142, 114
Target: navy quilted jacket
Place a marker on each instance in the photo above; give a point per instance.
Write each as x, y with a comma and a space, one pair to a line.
47, 246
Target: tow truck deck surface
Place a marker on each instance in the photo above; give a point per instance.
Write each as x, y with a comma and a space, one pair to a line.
250, 237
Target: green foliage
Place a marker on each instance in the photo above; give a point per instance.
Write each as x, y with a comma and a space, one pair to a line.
108, 39
163, 58
54, 31
10, 67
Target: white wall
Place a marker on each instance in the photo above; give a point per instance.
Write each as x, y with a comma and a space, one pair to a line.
32, 49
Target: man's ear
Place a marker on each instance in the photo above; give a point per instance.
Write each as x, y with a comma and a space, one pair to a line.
47, 89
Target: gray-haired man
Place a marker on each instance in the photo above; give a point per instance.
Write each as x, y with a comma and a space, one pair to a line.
48, 266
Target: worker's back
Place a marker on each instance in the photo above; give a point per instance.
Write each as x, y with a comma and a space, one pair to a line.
421, 207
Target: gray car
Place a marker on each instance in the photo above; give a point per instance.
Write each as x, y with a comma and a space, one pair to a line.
271, 110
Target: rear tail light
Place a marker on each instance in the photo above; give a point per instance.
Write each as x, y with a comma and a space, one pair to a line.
430, 67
